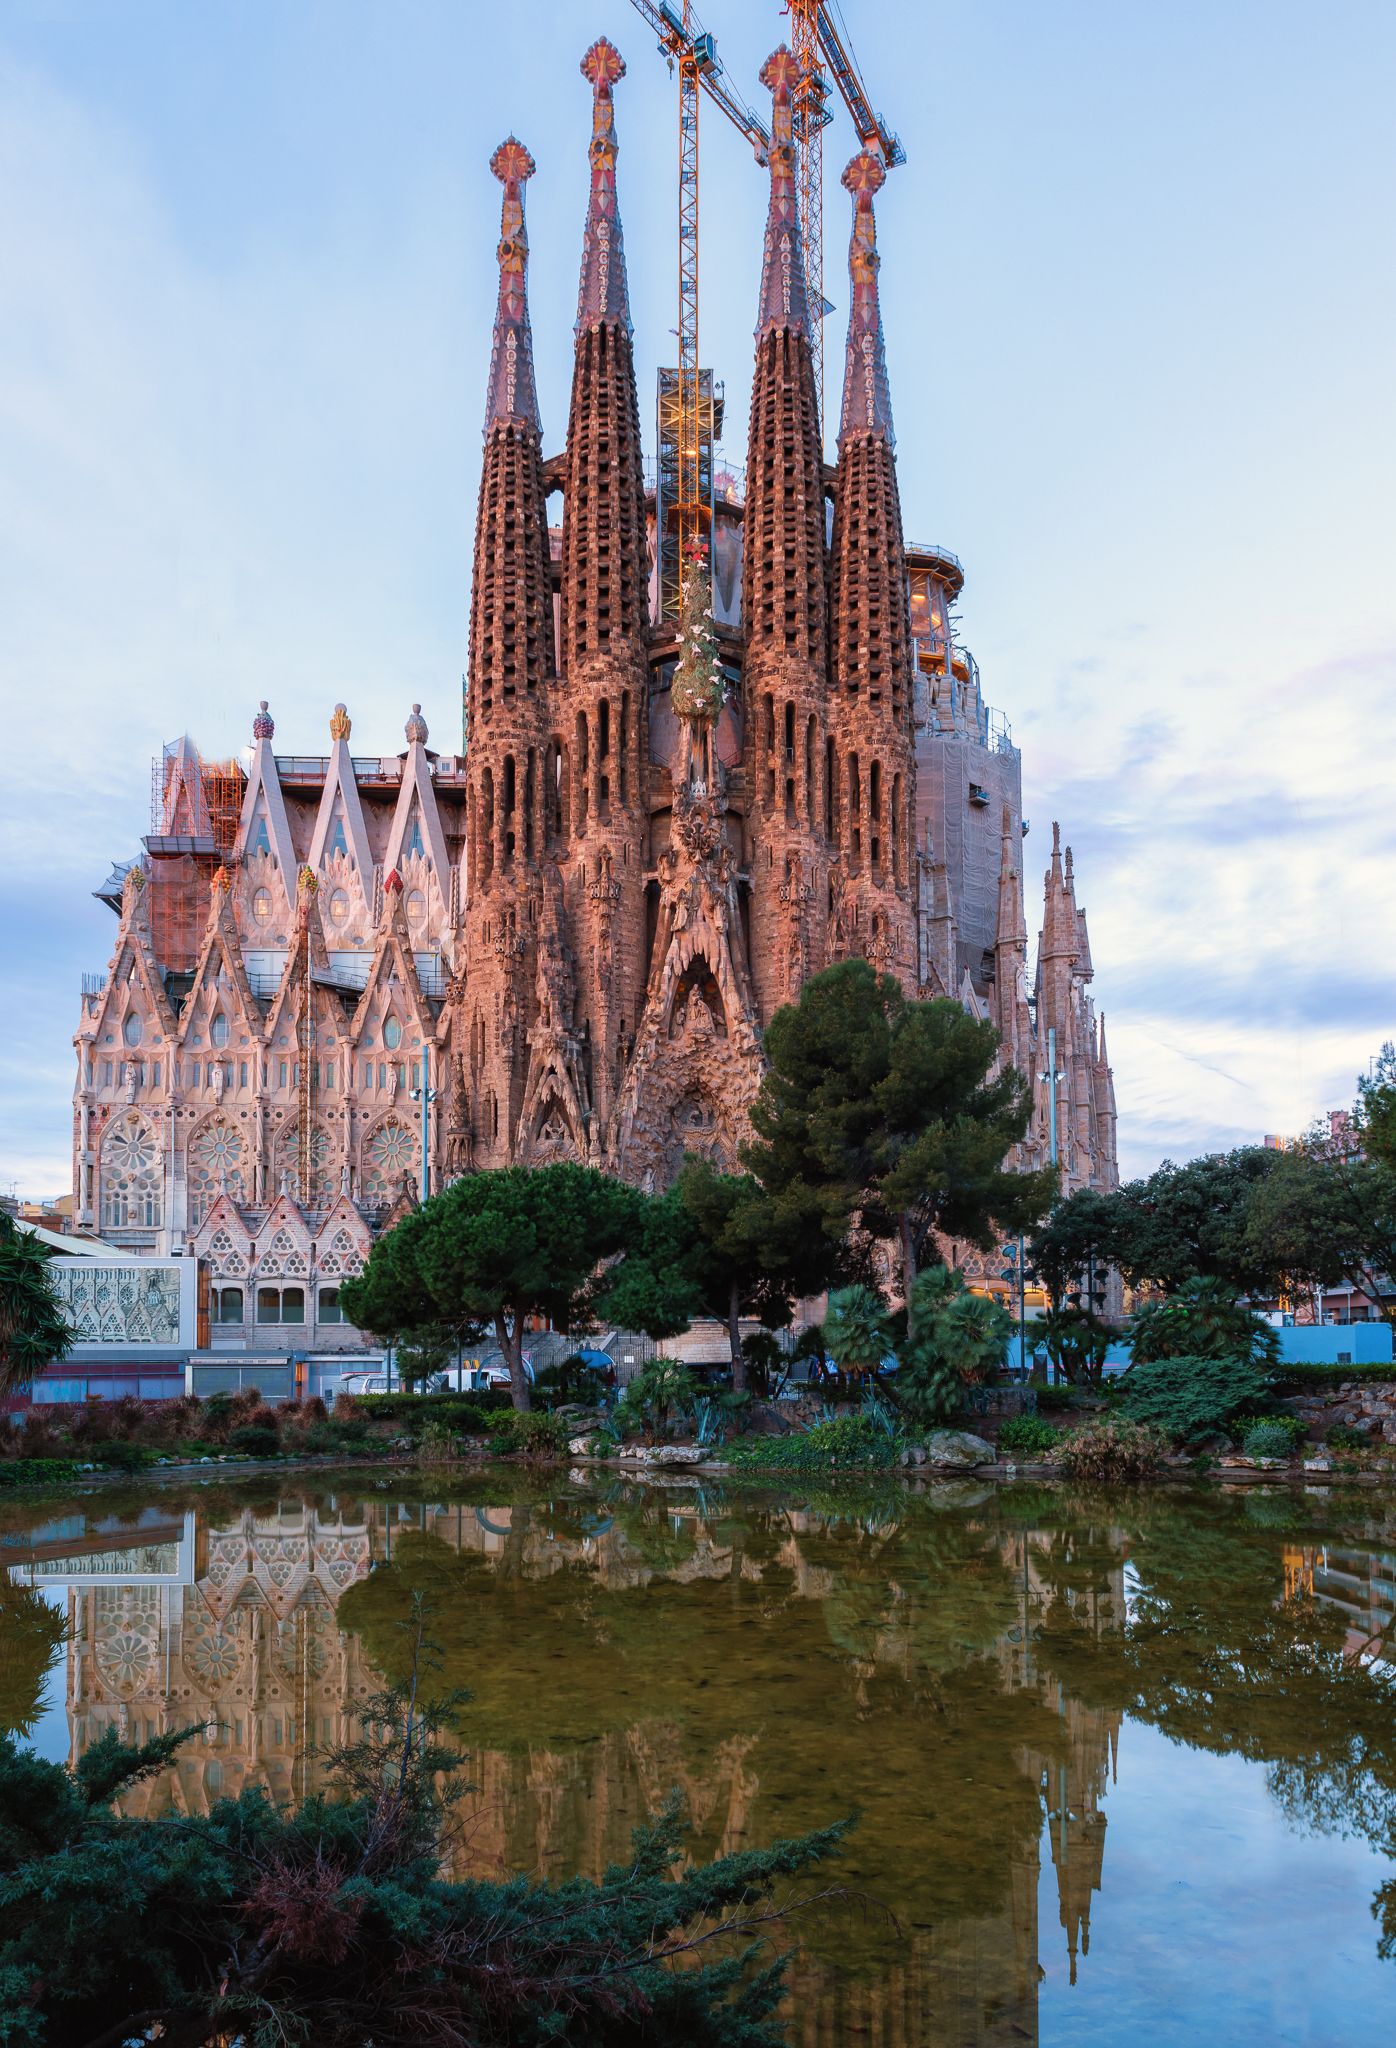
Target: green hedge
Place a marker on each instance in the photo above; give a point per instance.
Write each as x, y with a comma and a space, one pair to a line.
1303, 1379
36, 1471
457, 1411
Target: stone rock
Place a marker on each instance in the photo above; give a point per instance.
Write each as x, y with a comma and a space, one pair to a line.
578, 1446
957, 1447
676, 1454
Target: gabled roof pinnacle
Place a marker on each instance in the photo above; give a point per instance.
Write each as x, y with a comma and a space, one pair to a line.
602, 296
513, 396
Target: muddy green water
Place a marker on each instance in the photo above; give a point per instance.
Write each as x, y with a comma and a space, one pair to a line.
1126, 1761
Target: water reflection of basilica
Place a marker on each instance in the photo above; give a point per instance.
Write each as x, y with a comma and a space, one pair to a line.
233, 1627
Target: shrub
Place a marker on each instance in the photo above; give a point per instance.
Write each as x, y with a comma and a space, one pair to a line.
1271, 1436
254, 1440
122, 1456
1112, 1449
844, 1440
1347, 1436
1027, 1433
1190, 1397
531, 1435
1204, 1319
1054, 1399
960, 1339
35, 1471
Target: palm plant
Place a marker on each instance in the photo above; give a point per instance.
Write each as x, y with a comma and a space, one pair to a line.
33, 1329
857, 1334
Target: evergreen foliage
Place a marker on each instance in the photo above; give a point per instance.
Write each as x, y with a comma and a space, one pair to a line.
1204, 1319
882, 1109
498, 1247
1187, 1398
332, 1923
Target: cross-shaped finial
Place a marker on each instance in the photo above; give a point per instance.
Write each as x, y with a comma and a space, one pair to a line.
511, 163
781, 73
867, 173
602, 65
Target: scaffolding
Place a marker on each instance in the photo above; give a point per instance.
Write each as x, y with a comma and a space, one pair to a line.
195, 809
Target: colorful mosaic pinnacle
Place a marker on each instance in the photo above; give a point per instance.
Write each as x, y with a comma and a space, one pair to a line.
784, 296
512, 393
867, 401
602, 294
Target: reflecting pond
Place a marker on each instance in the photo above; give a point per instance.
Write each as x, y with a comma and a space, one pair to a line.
1126, 1762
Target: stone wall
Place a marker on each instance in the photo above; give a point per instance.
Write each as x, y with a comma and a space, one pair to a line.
1366, 1404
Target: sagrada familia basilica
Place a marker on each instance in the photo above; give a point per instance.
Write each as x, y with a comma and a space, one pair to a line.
573, 933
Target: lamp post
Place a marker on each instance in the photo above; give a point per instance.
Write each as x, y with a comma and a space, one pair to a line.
1054, 1077
426, 1095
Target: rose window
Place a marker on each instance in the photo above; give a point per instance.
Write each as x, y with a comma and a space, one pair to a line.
133, 1178
392, 1154
215, 1155
319, 1193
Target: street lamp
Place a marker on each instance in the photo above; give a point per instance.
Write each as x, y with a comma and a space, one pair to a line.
426, 1095
1054, 1077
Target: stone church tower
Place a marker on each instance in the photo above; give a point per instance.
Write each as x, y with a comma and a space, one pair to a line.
574, 933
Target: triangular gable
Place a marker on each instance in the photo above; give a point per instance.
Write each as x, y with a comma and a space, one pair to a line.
393, 949
134, 950
339, 782
969, 1001
282, 1012
417, 799
264, 789
221, 936
183, 808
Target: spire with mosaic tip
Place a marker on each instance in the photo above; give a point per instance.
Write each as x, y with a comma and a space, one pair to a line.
867, 401
513, 395
784, 294
603, 295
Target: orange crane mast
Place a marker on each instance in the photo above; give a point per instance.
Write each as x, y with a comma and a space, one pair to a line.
813, 32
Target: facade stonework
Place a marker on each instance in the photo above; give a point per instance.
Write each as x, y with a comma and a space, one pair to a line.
575, 930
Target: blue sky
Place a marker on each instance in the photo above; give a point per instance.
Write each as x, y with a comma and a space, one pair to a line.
1137, 284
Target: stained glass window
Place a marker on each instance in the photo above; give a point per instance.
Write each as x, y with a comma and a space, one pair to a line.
391, 1156
217, 1151
133, 1177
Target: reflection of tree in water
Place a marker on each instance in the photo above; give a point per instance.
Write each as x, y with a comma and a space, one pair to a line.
31, 1631
1228, 1651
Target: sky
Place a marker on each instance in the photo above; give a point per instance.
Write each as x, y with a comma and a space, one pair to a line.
1138, 292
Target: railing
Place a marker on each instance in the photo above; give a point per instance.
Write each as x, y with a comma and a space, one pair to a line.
93, 984
921, 547
729, 480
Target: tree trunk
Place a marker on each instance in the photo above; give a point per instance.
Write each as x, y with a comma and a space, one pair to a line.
511, 1344
908, 1266
734, 1335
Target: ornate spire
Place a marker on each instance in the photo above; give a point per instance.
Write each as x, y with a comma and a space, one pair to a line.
784, 296
263, 725
867, 402
602, 295
512, 395
416, 726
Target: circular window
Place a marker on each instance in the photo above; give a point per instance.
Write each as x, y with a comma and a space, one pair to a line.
339, 906
416, 906
131, 1029
261, 905
218, 1030
392, 1033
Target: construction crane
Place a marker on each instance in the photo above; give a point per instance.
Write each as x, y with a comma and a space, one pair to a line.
686, 399
812, 32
